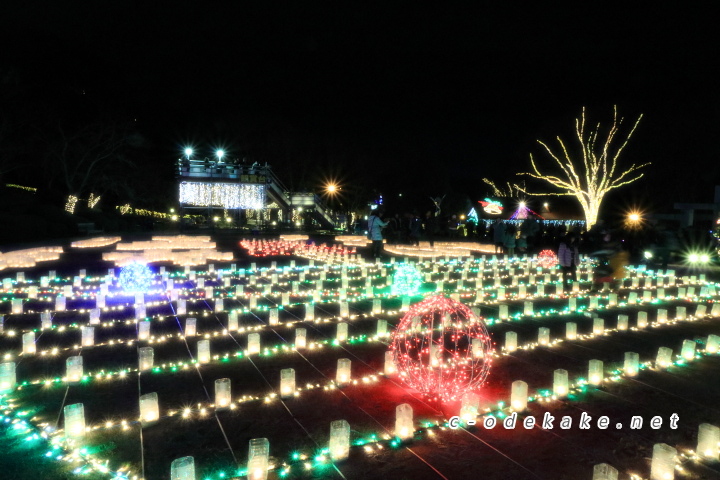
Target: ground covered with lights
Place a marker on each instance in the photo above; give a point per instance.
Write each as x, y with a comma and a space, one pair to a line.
205, 342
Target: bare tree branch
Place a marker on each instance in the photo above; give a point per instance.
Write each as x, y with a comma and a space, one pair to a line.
81, 156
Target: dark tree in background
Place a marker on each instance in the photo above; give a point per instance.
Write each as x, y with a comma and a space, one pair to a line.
64, 141
80, 159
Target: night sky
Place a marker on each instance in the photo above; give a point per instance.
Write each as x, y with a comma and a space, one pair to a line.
401, 97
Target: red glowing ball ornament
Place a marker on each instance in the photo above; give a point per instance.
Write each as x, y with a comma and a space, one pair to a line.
442, 349
547, 259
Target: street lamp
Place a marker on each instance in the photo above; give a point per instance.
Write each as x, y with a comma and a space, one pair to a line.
188, 152
220, 154
634, 219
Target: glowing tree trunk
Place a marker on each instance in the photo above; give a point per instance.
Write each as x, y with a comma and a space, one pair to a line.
591, 173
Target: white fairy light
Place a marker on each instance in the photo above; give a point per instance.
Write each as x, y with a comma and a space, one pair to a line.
226, 195
70, 204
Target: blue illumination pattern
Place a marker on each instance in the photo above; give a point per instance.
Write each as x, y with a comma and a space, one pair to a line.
406, 280
472, 216
135, 278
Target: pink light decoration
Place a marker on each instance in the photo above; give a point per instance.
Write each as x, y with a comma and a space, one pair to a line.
547, 259
455, 369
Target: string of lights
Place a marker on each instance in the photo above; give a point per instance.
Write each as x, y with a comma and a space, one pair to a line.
227, 195
516, 278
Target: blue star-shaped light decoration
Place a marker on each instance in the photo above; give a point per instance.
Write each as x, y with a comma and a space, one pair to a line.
406, 280
135, 277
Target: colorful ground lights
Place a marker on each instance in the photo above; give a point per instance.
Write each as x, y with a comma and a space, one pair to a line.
204, 350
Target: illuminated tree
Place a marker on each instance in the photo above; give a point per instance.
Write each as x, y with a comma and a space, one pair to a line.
500, 192
592, 172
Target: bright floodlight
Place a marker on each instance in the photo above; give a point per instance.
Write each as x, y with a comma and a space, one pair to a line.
220, 154
522, 204
188, 151
331, 188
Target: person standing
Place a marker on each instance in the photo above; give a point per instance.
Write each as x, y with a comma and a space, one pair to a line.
510, 240
619, 260
499, 236
522, 244
529, 230
453, 226
431, 227
375, 226
415, 229
569, 257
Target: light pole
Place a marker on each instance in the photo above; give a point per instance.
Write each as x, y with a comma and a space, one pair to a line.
332, 190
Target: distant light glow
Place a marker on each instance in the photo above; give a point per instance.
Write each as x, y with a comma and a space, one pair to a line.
93, 200
71, 203
491, 207
220, 154
698, 258
188, 151
547, 259
634, 219
523, 212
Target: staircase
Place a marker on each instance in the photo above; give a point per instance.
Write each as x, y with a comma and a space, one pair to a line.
233, 172
313, 204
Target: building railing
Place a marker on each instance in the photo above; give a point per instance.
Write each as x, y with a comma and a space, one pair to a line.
255, 173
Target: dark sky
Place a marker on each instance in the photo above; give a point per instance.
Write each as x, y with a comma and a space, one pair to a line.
428, 98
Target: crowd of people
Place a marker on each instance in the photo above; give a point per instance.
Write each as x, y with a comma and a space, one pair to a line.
610, 249
508, 237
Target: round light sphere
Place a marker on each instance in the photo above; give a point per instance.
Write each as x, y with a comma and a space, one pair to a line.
547, 259
135, 278
442, 349
406, 280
